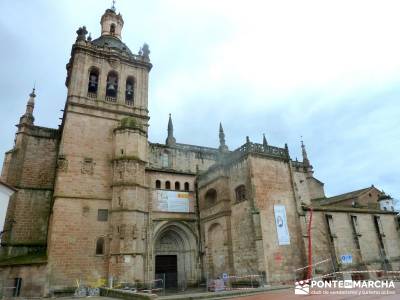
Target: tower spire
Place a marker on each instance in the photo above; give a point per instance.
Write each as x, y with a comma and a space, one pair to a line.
222, 145
28, 118
170, 141
306, 162
265, 143
113, 5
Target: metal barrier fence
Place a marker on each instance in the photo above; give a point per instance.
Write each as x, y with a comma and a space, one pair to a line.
152, 286
235, 282
324, 266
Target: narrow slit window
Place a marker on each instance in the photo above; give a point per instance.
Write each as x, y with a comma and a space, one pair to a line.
100, 246
167, 185
177, 186
112, 28
186, 186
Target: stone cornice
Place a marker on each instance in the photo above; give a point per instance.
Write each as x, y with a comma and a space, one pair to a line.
348, 210
114, 110
110, 53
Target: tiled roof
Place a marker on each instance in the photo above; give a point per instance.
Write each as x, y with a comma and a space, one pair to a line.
343, 197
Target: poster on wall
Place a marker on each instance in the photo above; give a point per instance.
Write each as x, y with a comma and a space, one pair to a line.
281, 225
172, 201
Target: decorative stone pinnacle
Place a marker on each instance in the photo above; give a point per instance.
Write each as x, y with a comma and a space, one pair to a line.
81, 32
222, 145
145, 50
28, 118
265, 143
170, 139
306, 162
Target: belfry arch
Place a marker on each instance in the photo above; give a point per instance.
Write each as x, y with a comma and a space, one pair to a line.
175, 254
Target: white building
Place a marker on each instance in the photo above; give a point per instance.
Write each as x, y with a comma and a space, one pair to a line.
5, 192
386, 202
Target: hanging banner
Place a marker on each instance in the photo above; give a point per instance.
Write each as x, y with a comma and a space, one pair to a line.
281, 225
172, 201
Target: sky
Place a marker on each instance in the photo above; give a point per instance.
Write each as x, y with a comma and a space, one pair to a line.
326, 71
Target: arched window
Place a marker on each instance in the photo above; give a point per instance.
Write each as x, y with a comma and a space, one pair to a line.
112, 28
100, 246
186, 186
240, 192
112, 85
177, 186
158, 184
129, 91
167, 185
93, 81
211, 197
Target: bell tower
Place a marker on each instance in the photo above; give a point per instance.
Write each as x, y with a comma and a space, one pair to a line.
111, 23
100, 197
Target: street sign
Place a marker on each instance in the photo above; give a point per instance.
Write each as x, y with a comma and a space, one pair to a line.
346, 259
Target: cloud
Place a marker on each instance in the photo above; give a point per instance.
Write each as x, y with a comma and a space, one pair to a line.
329, 72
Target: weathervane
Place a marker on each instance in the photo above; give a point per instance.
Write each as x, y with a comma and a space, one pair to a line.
113, 5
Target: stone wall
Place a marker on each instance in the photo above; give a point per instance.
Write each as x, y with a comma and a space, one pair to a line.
181, 157
72, 242
30, 168
368, 256
34, 280
272, 183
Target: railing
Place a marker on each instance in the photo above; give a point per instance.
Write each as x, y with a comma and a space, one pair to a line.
260, 149
111, 99
92, 95
129, 102
235, 282
297, 164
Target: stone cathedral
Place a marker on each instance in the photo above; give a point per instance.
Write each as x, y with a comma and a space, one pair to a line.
95, 199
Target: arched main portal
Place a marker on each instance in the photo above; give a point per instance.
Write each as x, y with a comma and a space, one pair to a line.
175, 255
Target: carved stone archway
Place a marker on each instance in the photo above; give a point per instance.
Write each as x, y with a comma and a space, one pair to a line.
177, 239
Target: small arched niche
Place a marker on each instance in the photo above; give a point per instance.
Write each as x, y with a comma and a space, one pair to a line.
240, 193
210, 197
